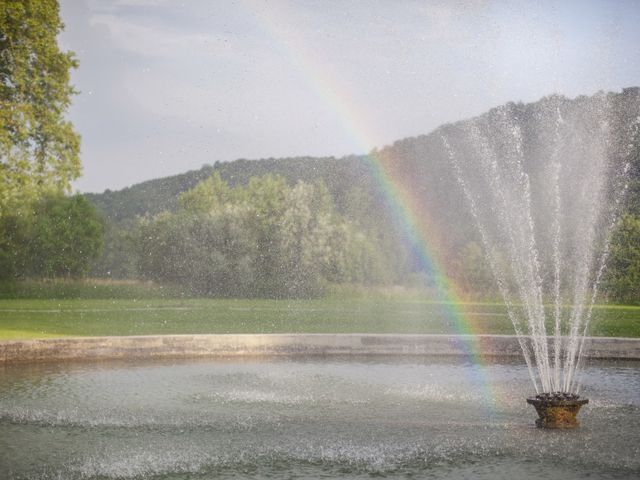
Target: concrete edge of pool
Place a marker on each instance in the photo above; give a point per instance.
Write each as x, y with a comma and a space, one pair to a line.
229, 345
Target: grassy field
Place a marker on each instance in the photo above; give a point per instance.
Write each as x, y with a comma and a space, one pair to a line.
39, 318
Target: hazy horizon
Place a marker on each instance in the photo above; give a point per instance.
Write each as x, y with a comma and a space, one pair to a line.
167, 88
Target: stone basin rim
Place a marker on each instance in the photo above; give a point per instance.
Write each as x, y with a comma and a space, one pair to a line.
288, 344
556, 402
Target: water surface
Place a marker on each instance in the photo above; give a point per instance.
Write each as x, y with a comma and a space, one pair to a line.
420, 417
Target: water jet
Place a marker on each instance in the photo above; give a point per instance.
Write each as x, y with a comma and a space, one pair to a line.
545, 185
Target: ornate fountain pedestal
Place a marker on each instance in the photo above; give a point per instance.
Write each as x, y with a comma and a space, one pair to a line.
557, 410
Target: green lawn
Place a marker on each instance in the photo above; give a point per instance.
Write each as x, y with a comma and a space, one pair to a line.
41, 318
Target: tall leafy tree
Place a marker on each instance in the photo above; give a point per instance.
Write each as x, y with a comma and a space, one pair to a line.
39, 148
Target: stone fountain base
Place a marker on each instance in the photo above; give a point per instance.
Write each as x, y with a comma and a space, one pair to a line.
557, 409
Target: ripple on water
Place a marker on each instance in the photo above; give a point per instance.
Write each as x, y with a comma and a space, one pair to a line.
285, 419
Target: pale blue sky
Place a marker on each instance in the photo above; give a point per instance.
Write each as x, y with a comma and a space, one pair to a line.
167, 86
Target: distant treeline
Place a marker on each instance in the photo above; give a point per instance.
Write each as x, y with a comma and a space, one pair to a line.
288, 227
262, 232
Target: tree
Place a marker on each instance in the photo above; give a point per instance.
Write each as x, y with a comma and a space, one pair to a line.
207, 196
622, 280
205, 254
119, 253
39, 149
14, 255
67, 235
57, 238
473, 272
264, 239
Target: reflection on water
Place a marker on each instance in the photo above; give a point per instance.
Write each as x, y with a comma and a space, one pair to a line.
305, 418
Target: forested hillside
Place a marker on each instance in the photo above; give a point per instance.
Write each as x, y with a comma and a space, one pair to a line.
418, 165
154, 196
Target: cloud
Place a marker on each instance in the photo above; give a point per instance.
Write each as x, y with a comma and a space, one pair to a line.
157, 41
202, 81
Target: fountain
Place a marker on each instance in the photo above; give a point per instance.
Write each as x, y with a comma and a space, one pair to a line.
557, 409
349, 416
545, 184
393, 412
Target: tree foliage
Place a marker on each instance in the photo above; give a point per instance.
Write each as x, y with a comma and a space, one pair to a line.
419, 165
118, 259
39, 149
622, 280
472, 270
266, 239
58, 237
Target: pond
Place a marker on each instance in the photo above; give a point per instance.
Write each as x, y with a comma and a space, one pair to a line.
331, 417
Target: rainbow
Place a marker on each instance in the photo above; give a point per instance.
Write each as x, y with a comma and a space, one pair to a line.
408, 209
